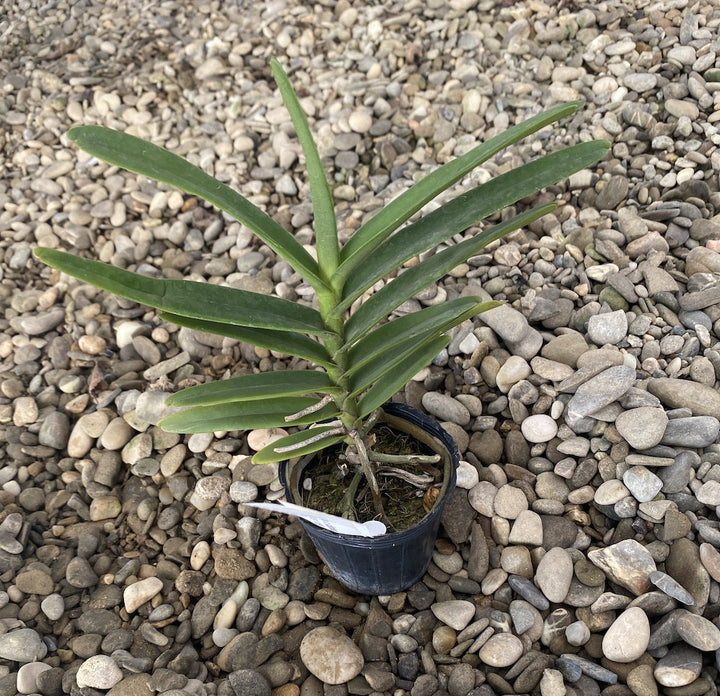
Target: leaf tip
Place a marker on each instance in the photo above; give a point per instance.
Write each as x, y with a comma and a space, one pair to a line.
277, 69
166, 424
79, 133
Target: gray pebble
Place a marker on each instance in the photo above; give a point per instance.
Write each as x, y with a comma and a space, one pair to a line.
642, 483
38, 324
679, 667
520, 338
607, 328
80, 574
243, 491
697, 431
601, 390
698, 632
22, 645
642, 427
446, 408
55, 430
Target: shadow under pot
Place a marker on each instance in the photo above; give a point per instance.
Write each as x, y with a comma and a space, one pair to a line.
396, 560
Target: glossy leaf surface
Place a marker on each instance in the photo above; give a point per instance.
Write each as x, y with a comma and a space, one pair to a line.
268, 454
326, 239
363, 243
136, 155
264, 385
186, 298
426, 322
415, 279
385, 388
466, 210
245, 415
289, 342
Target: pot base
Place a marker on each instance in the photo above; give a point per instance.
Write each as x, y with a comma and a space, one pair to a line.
395, 561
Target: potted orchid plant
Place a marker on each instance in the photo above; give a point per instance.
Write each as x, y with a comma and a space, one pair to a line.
355, 354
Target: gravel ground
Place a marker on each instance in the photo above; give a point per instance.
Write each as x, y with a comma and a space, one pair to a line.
580, 553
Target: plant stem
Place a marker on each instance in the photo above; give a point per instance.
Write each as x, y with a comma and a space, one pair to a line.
349, 409
369, 474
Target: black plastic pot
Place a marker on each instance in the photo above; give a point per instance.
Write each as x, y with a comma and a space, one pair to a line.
392, 562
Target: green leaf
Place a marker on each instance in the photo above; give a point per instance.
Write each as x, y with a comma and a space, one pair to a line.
264, 385
245, 415
268, 454
326, 239
372, 371
426, 322
288, 342
190, 299
363, 243
141, 157
467, 210
415, 279
381, 391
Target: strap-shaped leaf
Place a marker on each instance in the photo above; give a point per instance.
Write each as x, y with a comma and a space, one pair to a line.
364, 241
190, 299
246, 415
415, 279
426, 322
371, 372
264, 385
288, 342
466, 210
141, 157
326, 239
269, 454
382, 390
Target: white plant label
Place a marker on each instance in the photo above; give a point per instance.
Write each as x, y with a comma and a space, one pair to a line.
333, 523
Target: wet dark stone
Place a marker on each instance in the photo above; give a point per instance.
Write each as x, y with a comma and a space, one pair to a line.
408, 666
100, 621
458, 516
558, 531
420, 597
422, 629
303, 583
529, 592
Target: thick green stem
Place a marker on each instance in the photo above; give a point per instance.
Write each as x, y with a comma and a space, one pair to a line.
349, 407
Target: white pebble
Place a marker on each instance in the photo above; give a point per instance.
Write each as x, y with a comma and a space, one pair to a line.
98, 672
467, 475
511, 372
199, 555
139, 592
243, 491
27, 676
360, 121
539, 428
53, 606
222, 636
262, 437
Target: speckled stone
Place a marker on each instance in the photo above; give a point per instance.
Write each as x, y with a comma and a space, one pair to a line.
627, 563
331, 656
